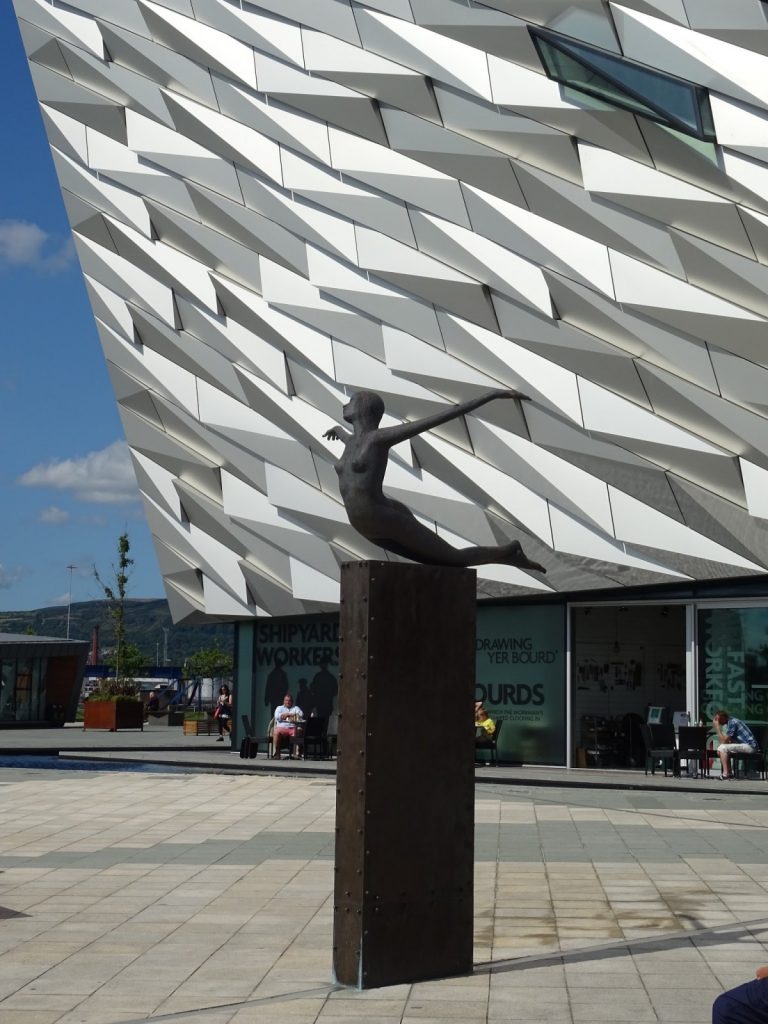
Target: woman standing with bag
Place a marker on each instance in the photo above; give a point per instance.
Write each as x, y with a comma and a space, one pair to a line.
223, 713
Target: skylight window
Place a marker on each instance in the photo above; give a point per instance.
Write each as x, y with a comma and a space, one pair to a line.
670, 101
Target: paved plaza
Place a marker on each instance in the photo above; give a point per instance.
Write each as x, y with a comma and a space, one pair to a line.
201, 897
165, 746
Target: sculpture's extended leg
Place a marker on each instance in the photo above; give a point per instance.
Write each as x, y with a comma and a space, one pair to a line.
394, 528
443, 554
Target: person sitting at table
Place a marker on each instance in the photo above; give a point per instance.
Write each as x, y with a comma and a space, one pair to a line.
484, 725
735, 738
288, 719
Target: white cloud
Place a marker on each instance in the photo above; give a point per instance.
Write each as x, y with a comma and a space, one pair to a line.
53, 514
23, 244
105, 477
9, 577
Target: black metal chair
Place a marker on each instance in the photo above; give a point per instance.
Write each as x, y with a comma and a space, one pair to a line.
315, 736
692, 746
489, 743
294, 745
331, 735
659, 746
249, 747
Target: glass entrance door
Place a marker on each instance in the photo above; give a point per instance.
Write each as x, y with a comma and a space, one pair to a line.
624, 658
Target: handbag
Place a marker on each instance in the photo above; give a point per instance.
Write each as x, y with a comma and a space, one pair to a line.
217, 711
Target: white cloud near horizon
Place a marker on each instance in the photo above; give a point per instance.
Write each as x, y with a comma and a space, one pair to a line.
53, 515
104, 477
10, 577
23, 244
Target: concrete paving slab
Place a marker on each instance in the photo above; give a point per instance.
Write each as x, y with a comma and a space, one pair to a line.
216, 902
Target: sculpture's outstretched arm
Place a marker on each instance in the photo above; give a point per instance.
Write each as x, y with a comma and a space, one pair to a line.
337, 434
390, 436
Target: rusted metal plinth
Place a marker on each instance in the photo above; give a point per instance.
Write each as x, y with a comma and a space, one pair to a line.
403, 903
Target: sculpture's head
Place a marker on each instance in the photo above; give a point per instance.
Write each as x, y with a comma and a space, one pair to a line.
366, 407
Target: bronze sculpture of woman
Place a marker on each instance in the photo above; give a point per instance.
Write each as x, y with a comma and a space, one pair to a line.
384, 521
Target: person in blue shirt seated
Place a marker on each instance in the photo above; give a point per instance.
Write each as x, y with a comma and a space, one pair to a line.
735, 738
288, 721
745, 1004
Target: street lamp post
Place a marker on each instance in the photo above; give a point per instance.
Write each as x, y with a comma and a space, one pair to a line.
69, 599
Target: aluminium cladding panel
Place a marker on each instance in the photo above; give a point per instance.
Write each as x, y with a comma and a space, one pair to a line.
407, 203
403, 906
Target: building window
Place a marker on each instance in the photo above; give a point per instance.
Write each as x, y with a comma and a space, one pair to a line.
663, 98
733, 663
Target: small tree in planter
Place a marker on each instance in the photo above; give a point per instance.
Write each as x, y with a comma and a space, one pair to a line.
115, 595
117, 702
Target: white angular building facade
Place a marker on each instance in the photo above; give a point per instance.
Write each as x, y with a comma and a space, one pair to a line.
277, 203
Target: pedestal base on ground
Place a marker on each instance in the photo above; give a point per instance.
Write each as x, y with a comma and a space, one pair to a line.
403, 905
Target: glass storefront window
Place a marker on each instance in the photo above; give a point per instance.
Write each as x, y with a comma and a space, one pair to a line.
8, 690
297, 656
520, 677
624, 659
23, 690
39, 691
733, 663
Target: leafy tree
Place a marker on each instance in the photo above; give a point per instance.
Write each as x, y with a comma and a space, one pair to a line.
114, 592
209, 663
128, 662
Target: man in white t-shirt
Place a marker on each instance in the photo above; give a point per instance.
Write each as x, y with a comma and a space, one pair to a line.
288, 721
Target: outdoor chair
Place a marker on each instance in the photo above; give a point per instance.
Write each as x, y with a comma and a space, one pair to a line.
331, 735
692, 746
489, 743
315, 736
659, 746
249, 747
290, 745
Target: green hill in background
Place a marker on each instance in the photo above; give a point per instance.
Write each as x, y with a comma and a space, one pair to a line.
144, 624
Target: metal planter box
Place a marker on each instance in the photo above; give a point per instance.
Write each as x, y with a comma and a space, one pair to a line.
113, 714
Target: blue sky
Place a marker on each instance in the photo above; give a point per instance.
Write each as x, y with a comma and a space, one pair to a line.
67, 492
